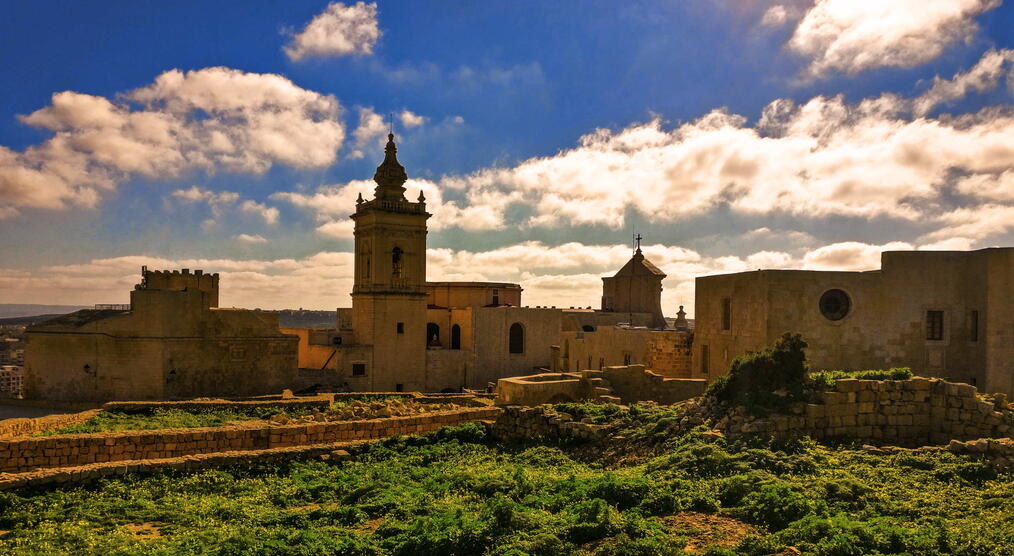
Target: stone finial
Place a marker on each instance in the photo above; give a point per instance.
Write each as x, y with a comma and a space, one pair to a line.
422, 198
360, 201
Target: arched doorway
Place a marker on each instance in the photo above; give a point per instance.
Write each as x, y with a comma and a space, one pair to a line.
432, 334
516, 338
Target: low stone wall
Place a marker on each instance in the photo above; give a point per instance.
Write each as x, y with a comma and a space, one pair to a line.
904, 412
543, 388
89, 472
536, 423
13, 428
73, 450
318, 402
634, 383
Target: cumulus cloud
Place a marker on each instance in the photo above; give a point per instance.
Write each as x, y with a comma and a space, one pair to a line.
250, 238
984, 76
268, 214
851, 36
879, 158
219, 201
775, 16
371, 128
339, 30
208, 119
850, 255
409, 119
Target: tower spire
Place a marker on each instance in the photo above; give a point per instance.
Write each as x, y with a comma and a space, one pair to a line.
390, 176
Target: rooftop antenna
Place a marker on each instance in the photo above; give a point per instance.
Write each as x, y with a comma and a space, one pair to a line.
390, 119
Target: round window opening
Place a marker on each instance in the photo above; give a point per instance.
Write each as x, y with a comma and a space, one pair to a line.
835, 304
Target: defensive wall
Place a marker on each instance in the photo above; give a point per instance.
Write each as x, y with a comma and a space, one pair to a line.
620, 384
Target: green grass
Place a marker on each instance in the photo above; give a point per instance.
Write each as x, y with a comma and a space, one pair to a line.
456, 492
109, 421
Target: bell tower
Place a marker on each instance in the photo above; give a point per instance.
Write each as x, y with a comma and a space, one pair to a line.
389, 291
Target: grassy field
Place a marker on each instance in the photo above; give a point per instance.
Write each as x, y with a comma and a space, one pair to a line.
457, 492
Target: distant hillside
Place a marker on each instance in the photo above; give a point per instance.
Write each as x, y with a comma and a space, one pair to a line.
27, 321
8, 310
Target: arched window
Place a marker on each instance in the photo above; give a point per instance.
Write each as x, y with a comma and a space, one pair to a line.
516, 339
432, 334
455, 337
396, 262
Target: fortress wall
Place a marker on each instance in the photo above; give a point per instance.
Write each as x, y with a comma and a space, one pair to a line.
81, 449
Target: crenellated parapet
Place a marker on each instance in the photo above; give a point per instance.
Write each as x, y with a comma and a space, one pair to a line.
179, 280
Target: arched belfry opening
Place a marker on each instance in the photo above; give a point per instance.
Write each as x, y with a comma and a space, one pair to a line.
397, 262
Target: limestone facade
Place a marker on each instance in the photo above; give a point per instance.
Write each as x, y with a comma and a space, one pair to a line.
172, 342
945, 314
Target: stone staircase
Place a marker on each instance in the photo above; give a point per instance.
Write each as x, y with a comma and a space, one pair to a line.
602, 387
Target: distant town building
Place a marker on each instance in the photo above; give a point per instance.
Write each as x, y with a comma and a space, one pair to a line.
11, 380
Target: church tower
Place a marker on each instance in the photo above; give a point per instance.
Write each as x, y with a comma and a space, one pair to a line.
389, 291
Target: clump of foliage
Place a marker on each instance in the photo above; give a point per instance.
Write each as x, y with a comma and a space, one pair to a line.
768, 379
824, 380
455, 491
597, 413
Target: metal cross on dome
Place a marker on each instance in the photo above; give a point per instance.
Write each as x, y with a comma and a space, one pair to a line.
637, 242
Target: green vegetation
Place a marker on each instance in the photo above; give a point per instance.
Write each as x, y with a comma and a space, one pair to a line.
770, 380
825, 380
457, 492
108, 421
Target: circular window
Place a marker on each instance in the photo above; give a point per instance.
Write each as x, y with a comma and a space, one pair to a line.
835, 304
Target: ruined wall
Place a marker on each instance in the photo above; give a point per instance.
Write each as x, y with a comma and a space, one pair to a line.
633, 383
71, 450
905, 412
669, 353
13, 428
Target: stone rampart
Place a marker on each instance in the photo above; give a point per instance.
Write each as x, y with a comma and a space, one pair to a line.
13, 428
904, 412
74, 450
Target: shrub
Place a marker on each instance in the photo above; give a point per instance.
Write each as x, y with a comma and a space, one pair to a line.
775, 505
765, 380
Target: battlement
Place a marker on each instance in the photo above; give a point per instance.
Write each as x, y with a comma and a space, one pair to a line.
179, 280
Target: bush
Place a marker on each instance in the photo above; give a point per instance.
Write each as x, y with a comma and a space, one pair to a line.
775, 505
766, 380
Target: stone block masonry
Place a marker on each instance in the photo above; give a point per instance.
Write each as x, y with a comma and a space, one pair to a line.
900, 412
29, 454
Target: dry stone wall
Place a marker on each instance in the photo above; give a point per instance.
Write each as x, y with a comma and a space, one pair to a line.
537, 423
904, 412
74, 450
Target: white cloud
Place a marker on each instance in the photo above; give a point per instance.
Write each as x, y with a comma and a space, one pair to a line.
409, 119
975, 223
269, 214
855, 35
221, 200
371, 129
984, 76
850, 255
250, 238
339, 30
775, 16
208, 119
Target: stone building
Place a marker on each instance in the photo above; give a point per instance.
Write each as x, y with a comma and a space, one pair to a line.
404, 333
945, 314
172, 341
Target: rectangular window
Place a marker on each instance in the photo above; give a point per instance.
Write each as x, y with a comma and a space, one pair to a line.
973, 326
726, 313
399, 387
496, 297
705, 360
359, 369
401, 328
934, 325
626, 358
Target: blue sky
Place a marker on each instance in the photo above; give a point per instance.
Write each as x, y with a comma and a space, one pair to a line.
542, 133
